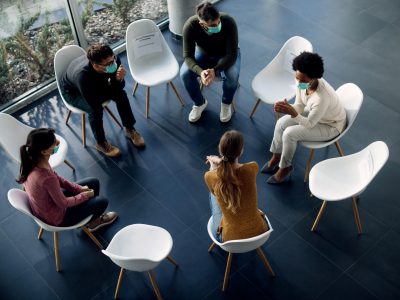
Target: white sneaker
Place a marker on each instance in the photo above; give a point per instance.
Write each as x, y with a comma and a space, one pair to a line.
226, 113
196, 112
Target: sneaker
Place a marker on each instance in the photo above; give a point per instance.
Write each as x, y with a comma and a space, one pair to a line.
103, 220
196, 112
226, 113
108, 149
136, 138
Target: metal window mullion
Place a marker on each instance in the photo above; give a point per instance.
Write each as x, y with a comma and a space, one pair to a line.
74, 17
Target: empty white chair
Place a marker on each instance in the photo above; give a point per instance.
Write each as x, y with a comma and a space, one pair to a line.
241, 246
150, 59
19, 200
140, 248
13, 135
351, 98
346, 177
62, 59
277, 80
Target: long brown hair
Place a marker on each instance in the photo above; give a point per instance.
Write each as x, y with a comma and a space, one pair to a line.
38, 140
228, 186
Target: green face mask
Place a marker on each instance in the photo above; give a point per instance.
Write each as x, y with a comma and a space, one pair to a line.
55, 149
303, 85
111, 68
215, 29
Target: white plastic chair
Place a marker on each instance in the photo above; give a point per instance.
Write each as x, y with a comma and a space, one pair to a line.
140, 248
351, 98
150, 59
277, 80
241, 246
19, 200
346, 177
13, 135
62, 59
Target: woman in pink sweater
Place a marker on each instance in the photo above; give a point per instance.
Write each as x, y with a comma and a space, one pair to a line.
52, 198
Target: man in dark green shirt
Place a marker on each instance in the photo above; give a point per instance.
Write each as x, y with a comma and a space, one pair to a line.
210, 51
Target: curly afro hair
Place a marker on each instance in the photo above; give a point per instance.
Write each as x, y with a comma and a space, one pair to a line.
310, 64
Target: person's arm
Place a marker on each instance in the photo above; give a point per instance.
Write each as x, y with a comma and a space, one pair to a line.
231, 46
189, 47
88, 88
68, 185
117, 80
317, 111
53, 188
298, 104
207, 179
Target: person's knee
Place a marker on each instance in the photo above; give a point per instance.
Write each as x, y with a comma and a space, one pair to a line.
289, 135
187, 75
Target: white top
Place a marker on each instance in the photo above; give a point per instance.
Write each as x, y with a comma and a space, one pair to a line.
323, 105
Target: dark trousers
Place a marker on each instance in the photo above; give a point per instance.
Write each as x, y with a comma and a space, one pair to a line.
95, 112
95, 206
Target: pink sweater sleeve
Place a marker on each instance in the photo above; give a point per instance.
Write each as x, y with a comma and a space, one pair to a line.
68, 185
52, 185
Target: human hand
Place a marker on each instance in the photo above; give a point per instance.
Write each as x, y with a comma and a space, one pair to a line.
285, 108
120, 73
85, 188
207, 76
214, 161
203, 77
89, 193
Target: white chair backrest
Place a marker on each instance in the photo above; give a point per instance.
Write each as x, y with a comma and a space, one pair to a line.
292, 48
63, 58
139, 247
351, 97
13, 135
378, 154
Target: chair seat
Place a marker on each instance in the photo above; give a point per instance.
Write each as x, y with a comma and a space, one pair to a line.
271, 87
318, 145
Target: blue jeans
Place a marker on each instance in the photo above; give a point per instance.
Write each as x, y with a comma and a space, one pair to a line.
217, 216
230, 78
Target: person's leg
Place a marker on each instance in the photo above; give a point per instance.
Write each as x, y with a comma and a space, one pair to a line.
280, 126
95, 207
294, 134
124, 108
217, 216
230, 79
91, 182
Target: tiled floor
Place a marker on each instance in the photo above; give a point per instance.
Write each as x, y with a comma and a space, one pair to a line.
163, 184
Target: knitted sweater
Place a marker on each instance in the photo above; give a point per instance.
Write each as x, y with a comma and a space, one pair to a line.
247, 221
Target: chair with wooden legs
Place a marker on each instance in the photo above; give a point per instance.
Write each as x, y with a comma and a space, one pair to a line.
62, 59
19, 200
140, 248
241, 246
277, 80
351, 97
347, 177
151, 61
13, 135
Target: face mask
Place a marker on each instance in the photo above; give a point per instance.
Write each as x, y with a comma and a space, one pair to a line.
111, 68
303, 85
215, 29
55, 149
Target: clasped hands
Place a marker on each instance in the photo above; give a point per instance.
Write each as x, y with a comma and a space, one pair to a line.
285, 108
85, 189
120, 74
207, 76
214, 161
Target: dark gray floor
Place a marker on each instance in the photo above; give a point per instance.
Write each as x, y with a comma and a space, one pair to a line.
163, 184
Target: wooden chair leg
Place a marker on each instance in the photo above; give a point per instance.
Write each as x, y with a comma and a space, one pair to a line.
40, 233
135, 88
356, 215
233, 106
265, 261
113, 116
154, 284
121, 274
228, 268
320, 213
211, 247
341, 153
92, 237
68, 116
177, 94
69, 164
173, 261
83, 130
147, 101
56, 251
255, 107
310, 158
201, 85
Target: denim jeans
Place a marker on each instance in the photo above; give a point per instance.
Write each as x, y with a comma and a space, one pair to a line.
217, 216
95, 113
230, 78
95, 206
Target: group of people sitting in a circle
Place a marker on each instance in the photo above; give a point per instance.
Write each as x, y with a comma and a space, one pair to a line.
210, 47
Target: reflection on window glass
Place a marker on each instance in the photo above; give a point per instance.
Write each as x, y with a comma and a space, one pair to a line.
30, 34
106, 21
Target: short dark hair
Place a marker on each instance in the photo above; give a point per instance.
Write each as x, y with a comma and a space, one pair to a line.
207, 11
310, 64
97, 52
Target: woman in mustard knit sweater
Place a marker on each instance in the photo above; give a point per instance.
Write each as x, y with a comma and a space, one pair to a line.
233, 192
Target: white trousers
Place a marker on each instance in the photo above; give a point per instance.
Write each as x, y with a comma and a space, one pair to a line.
287, 133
